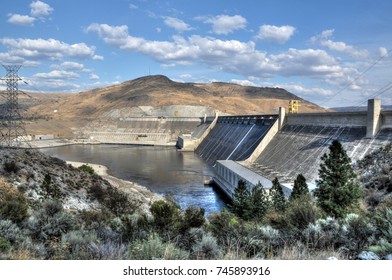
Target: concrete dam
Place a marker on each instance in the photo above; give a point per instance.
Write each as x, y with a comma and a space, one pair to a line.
257, 148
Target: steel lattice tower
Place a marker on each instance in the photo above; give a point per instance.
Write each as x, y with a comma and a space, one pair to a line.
12, 130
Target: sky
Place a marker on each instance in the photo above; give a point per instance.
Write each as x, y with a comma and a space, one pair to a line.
333, 53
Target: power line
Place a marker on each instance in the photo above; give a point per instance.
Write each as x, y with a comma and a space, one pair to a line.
358, 77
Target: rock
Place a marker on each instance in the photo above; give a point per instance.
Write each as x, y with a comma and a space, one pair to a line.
366, 255
388, 257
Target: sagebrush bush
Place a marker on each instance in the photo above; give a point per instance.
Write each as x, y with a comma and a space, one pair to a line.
13, 206
77, 244
50, 221
154, 248
359, 233
323, 234
207, 248
108, 250
11, 231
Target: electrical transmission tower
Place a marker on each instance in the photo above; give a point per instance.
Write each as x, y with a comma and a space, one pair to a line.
12, 130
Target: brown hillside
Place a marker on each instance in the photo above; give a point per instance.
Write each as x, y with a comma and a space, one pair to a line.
156, 91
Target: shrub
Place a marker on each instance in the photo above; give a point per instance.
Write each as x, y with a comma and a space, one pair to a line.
50, 190
50, 221
108, 250
301, 212
11, 167
323, 234
153, 248
5, 245
225, 226
13, 205
78, 244
11, 231
193, 218
359, 233
87, 168
207, 248
166, 215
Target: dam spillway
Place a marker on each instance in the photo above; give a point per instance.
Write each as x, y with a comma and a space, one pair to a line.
235, 137
298, 149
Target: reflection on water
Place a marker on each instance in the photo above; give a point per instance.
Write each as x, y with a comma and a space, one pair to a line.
162, 169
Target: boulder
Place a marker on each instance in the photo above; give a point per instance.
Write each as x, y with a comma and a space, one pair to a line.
366, 255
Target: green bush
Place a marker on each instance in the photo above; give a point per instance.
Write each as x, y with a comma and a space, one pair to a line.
301, 212
13, 206
11, 167
5, 245
87, 168
167, 215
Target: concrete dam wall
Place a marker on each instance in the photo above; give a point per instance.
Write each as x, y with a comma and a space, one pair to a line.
143, 130
234, 137
298, 149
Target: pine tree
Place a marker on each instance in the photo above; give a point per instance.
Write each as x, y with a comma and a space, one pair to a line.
337, 189
241, 201
277, 196
300, 188
259, 202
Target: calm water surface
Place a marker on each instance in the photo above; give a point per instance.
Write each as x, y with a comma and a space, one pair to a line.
161, 169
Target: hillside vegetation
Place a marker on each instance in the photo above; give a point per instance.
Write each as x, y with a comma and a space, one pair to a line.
38, 220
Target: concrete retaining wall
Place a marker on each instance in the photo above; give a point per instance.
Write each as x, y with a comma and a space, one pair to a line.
386, 119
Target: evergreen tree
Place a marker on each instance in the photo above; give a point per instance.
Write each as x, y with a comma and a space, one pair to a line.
259, 202
300, 188
241, 201
277, 196
337, 189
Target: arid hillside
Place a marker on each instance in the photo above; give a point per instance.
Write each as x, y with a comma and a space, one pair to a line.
75, 110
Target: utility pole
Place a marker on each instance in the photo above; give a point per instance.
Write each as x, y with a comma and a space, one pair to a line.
12, 130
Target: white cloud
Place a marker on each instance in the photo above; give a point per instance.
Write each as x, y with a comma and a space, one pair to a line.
224, 24
40, 9
177, 24
51, 49
300, 90
69, 66
323, 39
279, 34
93, 76
57, 75
383, 52
133, 7
186, 76
232, 56
21, 19
244, 82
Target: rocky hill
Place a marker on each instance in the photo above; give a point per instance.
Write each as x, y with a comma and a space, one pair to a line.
157, 91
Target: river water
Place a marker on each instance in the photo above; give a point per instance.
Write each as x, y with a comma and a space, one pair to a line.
163, 170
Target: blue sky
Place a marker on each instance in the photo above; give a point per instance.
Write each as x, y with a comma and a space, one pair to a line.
334, 53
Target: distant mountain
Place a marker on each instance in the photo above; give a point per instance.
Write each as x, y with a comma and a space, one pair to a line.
159, 91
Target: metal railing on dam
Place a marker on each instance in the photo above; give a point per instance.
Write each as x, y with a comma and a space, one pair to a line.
235, 137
